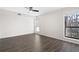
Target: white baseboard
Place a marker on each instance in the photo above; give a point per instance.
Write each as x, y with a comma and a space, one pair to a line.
14, 35
75, 41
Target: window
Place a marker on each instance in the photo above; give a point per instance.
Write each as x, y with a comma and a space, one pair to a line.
72, 26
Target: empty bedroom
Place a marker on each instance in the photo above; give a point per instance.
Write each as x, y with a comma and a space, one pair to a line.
39, 29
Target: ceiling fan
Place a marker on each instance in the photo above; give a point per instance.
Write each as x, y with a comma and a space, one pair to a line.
32, 9
29, 9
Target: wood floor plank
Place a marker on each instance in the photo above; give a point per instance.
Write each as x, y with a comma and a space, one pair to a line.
36, 43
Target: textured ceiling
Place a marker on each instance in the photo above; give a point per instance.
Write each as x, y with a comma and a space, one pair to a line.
42, 10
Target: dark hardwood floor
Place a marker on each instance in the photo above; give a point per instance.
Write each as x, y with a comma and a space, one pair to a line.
36, 43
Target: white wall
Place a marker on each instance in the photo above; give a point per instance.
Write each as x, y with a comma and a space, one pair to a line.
12, 24
52, 24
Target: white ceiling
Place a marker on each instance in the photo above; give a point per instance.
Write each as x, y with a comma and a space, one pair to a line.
42, 10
